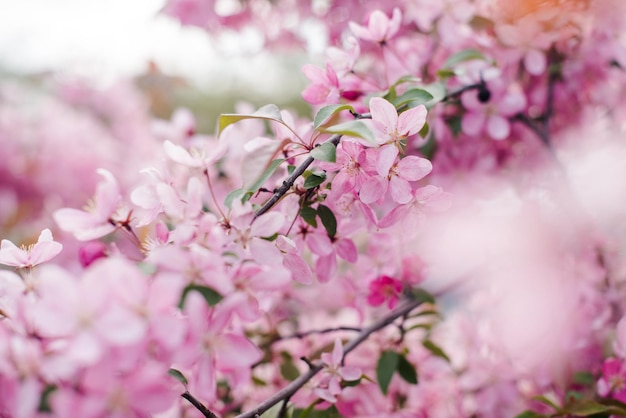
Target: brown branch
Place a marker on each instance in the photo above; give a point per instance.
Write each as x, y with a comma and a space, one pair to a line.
295, 385
287, 184
199, 406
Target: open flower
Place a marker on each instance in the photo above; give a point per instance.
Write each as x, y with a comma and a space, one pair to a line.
330, 386
45, 249
391, 127
379, 27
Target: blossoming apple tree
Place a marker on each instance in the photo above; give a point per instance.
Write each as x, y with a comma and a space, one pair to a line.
444, 237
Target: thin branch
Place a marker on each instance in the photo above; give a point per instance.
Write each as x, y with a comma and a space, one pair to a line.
199, 406
533, 126
318, 331
287, 184
294, 386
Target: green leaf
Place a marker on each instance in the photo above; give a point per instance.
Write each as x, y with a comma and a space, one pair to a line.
387, 364
325, 152
309, 215
406, 370
420, 294
314, 180
584, 378
413, 98
327, 112
355, 128
548, 402
176, 374
265, 175
287, 369
589, 407
445, 73
437, 90
435, 350
268, 112
44, 401
462, 56
328, 220
531, 414
230, 197
211, 296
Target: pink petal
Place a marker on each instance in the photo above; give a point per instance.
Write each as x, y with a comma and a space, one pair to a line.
386, 158
267, 225
400, 190
319, 243
378, 26
11, 255
107, 195
325, 267
535, 62
412, 121
373, 190
235, 352
413, 168
44, 251
347, 250
350, 373
384, 112
498, 127
472, 122
337, 354
300, 270
180, 155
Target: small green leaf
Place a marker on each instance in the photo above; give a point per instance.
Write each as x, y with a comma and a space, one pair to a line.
287, 369
327, 112
211, 296
584, 378
531, 414
265, 175
328, 219
420, 294
588, 407
44, 401
325, 152
230, 197
387, 364
462, 56
309, 215
314, 180
435, 350
546, 401
446, 73
355, 128
413, 98
437, 90
176, 374
406, 370
291, 169
269, 112
425, 130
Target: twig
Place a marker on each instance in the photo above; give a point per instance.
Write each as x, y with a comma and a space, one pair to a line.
541, 132
294, 386
199, 406
288, 183
318, 331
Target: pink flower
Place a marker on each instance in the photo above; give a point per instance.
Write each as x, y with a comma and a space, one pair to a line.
394, 176
44, 250
324, 87
492, 115
99, 218
379, 27
613, 381
392, 128
383, 289
334, 373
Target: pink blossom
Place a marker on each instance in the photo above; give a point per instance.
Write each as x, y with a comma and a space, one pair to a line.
613, 381
383, 289
491, 116
334, 373
390, 127
325, 85
100, 218
394, 175
379, 27
44, 250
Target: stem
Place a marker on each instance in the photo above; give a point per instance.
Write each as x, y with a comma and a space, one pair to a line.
287, 184
294, 386
199, 406
320, 331
217, 203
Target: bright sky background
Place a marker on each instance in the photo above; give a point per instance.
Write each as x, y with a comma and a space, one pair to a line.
107, 38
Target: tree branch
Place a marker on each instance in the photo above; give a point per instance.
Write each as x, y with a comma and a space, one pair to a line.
294, 386
199, 406
287, 184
